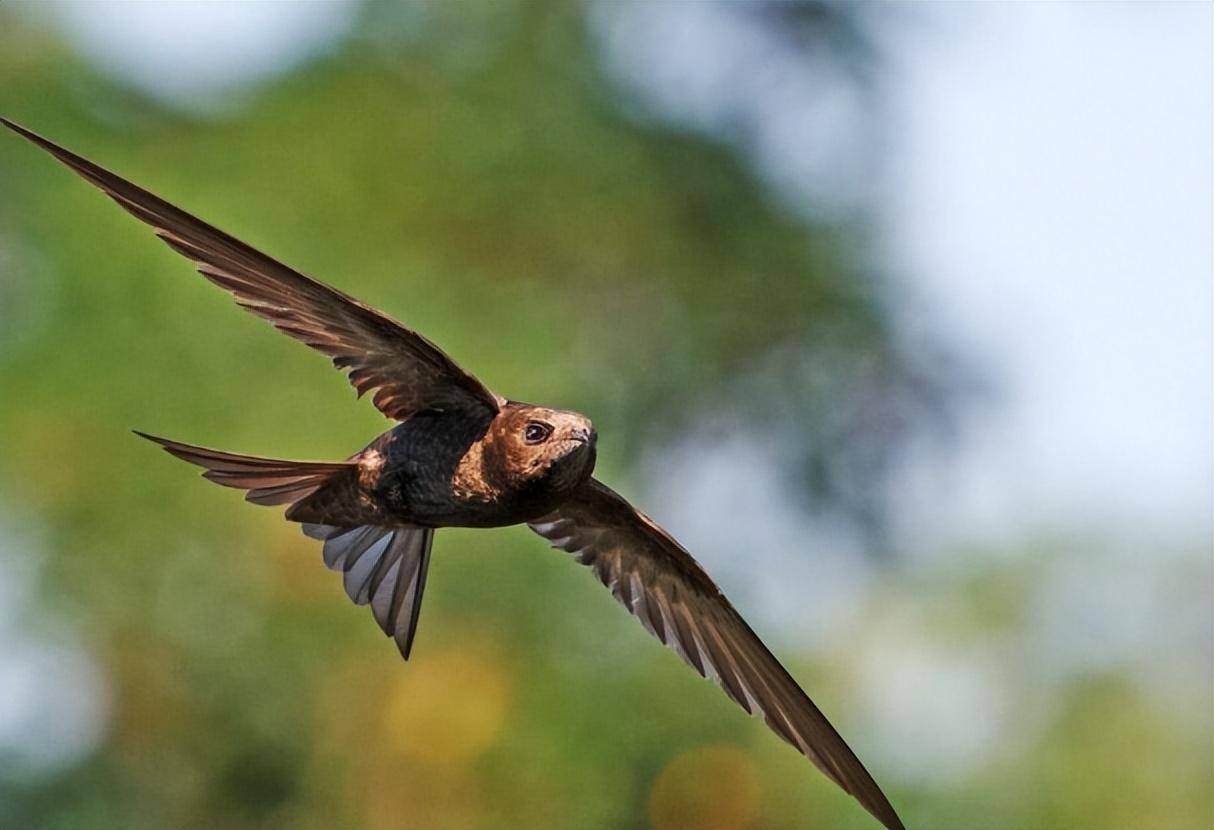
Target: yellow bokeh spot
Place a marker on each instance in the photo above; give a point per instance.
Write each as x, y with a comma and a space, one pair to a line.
47, 453
401, 795
709, 788
448, 708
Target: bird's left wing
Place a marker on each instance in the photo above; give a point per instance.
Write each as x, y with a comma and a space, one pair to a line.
660, 583
407, 371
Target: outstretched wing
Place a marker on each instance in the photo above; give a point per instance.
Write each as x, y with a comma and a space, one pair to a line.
407, 371
660, 583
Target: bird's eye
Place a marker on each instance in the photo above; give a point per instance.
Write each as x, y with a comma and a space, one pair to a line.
536, 432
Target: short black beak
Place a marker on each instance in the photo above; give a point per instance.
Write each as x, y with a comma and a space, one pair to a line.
585, 436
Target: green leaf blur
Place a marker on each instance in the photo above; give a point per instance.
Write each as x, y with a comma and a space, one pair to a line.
472, 171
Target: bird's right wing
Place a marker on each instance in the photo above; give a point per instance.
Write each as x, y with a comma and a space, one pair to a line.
660, 583
407, 371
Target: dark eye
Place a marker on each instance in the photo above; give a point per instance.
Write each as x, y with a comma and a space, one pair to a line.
536, 432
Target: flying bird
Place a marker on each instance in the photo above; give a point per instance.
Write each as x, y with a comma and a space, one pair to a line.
464, 456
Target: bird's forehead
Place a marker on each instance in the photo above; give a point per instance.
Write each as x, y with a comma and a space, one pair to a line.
553, 416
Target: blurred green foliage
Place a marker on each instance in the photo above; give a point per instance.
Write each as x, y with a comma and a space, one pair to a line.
473, 173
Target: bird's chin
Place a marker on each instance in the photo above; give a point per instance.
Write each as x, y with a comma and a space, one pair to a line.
574, 467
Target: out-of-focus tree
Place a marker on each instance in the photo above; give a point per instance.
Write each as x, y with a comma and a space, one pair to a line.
474, 170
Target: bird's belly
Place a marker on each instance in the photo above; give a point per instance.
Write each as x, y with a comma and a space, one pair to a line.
464, 514
435, 504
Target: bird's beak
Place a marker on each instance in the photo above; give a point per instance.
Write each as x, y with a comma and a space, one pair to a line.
585, 436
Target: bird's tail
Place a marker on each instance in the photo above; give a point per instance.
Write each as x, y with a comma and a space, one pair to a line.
382, 566
267, 481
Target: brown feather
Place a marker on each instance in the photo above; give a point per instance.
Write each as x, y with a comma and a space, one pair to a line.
656, 578
269, 481
409, 372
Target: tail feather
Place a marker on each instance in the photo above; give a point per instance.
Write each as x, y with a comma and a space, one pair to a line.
268, 481
382, 566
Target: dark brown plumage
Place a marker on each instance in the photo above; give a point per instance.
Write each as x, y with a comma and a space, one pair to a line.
463, 456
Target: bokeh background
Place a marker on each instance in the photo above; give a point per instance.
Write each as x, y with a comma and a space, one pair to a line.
898, 315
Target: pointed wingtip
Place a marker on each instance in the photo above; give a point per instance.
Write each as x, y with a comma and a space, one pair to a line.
883, 812
891, 821
154, 439
27, 133
83, 167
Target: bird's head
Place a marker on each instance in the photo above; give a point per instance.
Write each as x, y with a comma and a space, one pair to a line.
552, 447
